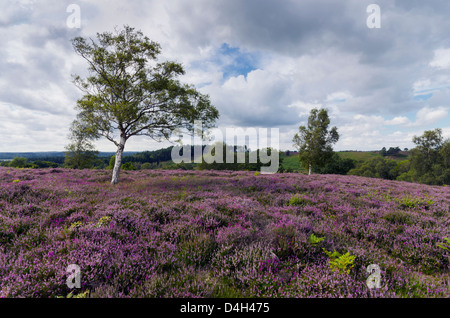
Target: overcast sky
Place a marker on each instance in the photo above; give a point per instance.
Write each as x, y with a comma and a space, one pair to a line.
265, 64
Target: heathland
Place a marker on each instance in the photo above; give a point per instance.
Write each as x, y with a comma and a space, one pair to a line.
180, 233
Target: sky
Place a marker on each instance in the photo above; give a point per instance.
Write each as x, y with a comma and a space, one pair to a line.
383, 78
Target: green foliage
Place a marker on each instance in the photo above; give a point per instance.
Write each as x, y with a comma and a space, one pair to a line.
314, 240
315, 141
430, 163
44, 164
127, 166
80, 153
112, 160
298, 200
340, 262
445, 246
378, 167
337, 165
104, 220
392, 151
75, 225
413, 202
18, 162
80, 295
399, 217
426, 152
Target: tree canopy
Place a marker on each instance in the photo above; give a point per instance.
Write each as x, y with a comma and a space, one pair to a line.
315, 141
80, 153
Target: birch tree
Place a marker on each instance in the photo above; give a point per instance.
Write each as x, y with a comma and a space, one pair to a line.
129, 92
315, 141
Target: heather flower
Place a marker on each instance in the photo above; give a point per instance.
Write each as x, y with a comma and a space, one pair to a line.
178, 233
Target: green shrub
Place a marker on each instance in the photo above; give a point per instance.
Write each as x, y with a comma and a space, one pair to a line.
104, 220
399, 217
411, 202
340, 262
314, 240
445, 246
297, 200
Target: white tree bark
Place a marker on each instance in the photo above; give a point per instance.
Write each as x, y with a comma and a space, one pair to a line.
310, 168
118, 161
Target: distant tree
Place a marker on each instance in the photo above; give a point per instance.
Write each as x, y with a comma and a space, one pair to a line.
18, 162
127, 166
4, 163
429, 162
129, 93
392, 151
147, 165
426, 153
337, 165
444, 154
80, 153
44, 164
383, 151
315, 141
112, 162
383, 168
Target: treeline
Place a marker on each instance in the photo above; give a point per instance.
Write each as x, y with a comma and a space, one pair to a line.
22, 162
428, 162
243, 159
383, 168
162, 159
156, 159
33, 155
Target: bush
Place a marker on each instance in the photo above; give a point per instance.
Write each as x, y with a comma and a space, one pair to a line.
297, 200
341, 263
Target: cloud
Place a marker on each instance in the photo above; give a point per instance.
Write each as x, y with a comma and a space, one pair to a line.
400, 120
441, 59
427, 116
263, 63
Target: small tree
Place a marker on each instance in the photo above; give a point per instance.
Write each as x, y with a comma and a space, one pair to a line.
426, 153
315, 141
129, 93
18, 162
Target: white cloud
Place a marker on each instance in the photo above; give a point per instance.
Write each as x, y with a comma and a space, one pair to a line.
338, 97
400, 120
441, 59
427, 115
313, 53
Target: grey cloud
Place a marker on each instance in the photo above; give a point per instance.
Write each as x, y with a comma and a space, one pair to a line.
378, 67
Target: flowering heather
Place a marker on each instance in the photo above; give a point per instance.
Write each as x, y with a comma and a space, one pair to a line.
220, 234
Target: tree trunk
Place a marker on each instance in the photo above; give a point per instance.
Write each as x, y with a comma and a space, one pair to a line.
118, 161
309, 171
